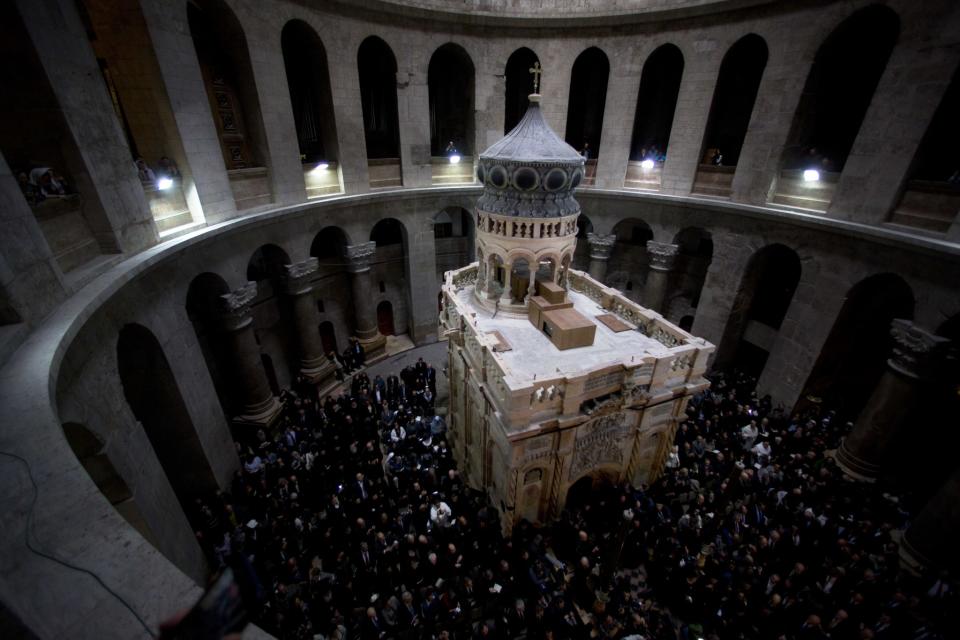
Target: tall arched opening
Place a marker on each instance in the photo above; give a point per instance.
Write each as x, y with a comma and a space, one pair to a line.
931, 195
332, 295
628, 263
377, 68
519, 84
205, 313
588, 97
737, 84
453, 236
581, 255
761, 304
855, 353
155, 400
838, 91
450, 85
388, 269
689, 272
224, 58
653, 117
273, 323
308, 80
121, 41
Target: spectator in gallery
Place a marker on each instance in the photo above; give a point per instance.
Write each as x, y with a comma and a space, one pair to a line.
32, 192
167, 168
50, 184
145, 173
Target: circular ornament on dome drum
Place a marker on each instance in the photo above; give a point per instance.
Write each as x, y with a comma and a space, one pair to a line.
576, 178
480, 174
498, 177
555, 180
526, 179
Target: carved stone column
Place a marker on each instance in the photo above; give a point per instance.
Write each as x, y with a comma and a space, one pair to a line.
601, 246
358, 255
930, 542
662, 257
258, 405
506, 296
314, 364
863, 454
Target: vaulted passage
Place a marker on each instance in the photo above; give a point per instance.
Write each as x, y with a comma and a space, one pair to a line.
377, 67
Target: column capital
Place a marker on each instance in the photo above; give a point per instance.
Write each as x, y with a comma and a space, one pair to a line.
358, 255
235, 306
662, 255
601, 245
299, 274
915, 350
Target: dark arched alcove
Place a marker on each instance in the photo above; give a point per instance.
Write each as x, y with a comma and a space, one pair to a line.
308, 79
588, 97
377, 67
450, 86
519, 84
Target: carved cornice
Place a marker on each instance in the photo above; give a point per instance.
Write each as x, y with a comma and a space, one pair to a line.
299, 274
601, 244
358, 255
662, 255
915, 351
235, 306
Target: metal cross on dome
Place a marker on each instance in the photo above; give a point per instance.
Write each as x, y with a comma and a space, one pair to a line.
536, 71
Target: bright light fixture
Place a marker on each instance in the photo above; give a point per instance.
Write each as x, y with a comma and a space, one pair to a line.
811, 175
647, 164
454, 159
164, 183
323, 166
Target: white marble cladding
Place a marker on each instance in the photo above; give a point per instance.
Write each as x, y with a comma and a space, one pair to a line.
644, 377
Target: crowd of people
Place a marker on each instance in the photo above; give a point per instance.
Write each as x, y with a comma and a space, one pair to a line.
351, 520
40, 183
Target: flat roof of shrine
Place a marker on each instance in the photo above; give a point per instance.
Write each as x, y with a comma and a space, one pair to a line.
532, 353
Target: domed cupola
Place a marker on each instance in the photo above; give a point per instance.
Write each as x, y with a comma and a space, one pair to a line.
531, 172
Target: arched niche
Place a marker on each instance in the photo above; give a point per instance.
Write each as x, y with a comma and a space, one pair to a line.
450, 84
855, 353
519, 84
377, 67
765, 293
588, 97
221, 47
154, 398
333, 294
308, 79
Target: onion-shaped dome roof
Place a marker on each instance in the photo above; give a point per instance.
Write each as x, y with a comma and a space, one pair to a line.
530, 172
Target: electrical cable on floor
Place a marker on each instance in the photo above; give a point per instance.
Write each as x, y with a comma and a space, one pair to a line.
52, 558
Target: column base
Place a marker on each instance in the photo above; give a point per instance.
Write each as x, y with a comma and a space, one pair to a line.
261, 415
373, 347
317, 371
856, 467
